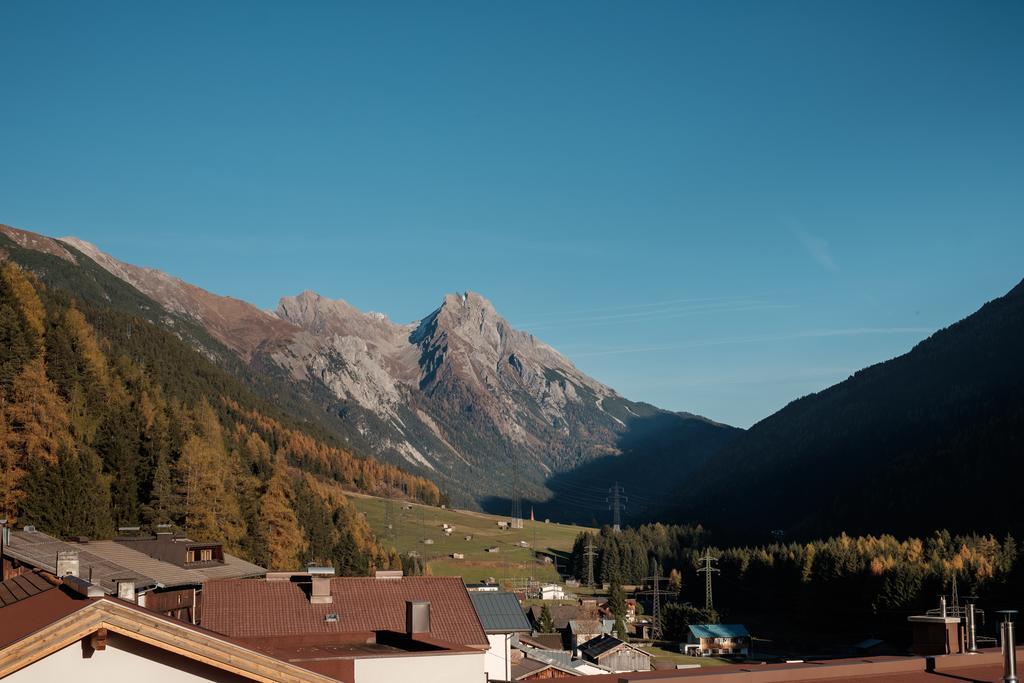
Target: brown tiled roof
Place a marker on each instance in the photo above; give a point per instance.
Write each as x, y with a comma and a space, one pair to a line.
267, 609
27, 616
23, 586
560, 614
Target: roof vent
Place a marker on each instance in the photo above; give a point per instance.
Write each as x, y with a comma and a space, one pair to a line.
331, 618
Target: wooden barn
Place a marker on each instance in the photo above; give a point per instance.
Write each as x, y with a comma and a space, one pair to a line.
615, 655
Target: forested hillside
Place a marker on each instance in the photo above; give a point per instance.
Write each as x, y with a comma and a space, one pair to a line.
933, 438
107, 420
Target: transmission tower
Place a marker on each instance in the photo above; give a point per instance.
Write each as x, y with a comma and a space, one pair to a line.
517, 506
616, 503
590, 562
655, 593
708, 570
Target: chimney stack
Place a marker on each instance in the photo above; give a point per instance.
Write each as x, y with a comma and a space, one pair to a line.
417, 617
972, 626
126, 589
1009, 645
320, 590
67, 563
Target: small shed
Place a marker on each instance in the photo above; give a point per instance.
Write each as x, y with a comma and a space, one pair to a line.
468, 537
458, 556
493, 549
615, 655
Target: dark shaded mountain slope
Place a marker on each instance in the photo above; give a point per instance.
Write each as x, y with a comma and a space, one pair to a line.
931, 439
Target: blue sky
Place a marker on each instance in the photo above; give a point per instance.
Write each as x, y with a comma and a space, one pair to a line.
713, 207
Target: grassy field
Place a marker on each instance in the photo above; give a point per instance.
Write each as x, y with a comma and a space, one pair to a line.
667, 656
412, 526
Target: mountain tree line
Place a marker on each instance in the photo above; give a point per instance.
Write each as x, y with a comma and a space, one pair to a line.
868, 579
108, 421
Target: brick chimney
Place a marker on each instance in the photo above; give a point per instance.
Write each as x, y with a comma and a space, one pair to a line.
417, 617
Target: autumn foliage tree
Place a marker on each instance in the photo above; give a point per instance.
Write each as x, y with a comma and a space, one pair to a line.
107, 420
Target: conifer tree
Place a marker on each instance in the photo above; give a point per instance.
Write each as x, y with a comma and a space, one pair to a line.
547, 623
278, 524
211, 508
617, 603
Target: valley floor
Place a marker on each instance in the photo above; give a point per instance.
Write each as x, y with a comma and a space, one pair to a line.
412, 523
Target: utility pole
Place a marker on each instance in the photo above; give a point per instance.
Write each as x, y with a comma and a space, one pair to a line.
590, 562
517, 508
616, 503
708, 570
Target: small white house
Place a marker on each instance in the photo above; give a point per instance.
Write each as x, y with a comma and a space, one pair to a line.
458, 556
552, 591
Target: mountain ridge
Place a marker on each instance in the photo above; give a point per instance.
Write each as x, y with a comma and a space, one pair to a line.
460, 395
929, 439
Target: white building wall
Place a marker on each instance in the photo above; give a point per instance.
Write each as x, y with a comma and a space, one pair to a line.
447, 668
123, 661
497, 662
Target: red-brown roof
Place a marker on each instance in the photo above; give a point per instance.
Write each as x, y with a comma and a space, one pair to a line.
23, 586
982, 668
27, 616
265, 609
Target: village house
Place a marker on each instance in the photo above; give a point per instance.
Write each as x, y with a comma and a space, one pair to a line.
585, 630
552, 591
720, 640
162, 572
71, 630
502, 618
361, 629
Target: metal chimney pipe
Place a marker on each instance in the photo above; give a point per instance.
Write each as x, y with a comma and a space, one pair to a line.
1009, 645
942, 605
972, 627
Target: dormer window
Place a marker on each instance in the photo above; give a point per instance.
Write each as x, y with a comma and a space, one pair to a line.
199, 555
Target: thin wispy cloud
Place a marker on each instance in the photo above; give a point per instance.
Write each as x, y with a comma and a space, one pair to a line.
817, 248
808, 334
653, 311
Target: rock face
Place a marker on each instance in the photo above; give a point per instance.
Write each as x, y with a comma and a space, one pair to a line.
460, 392
460, 395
